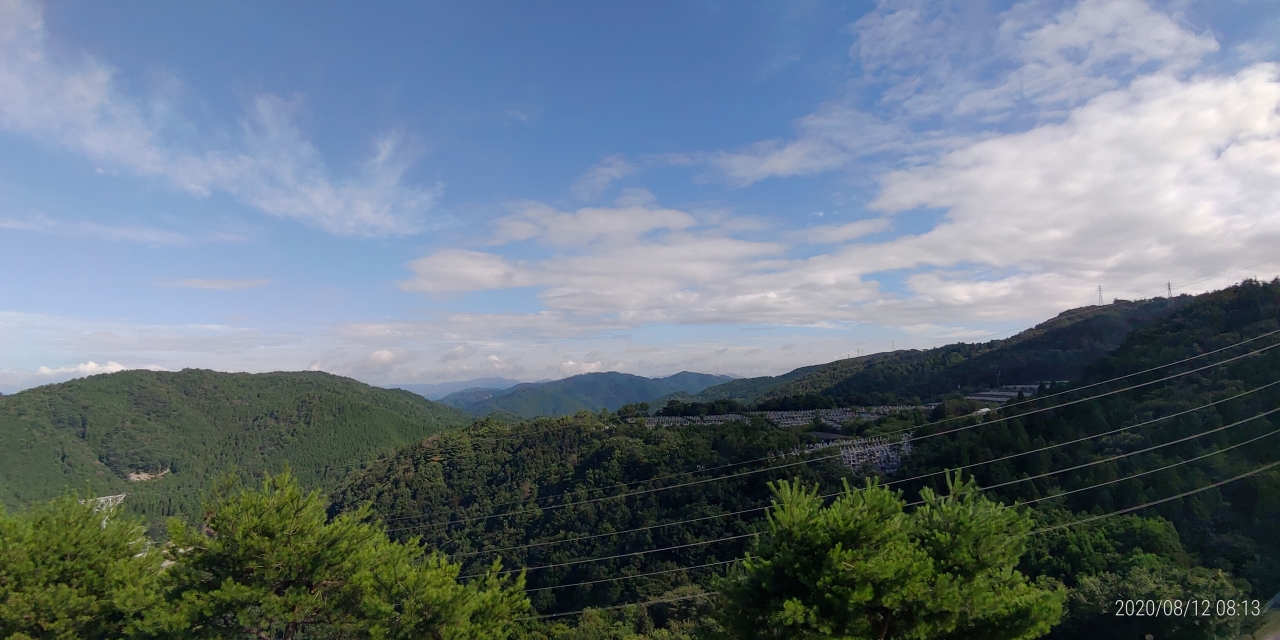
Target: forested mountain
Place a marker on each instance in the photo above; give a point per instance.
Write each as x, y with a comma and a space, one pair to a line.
1058, 349
531, 470
585, 392
442, 389
1235, 528
174, 434
551, 492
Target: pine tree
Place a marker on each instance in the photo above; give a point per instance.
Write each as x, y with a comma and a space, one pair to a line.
865, 568
74, 569
268, 564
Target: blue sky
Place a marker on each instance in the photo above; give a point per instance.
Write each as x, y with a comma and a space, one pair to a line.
410, 193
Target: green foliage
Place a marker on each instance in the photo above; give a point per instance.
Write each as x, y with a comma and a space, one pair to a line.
797, 403
864, 568
189, 428
1130, 558
1233, 528
267, 564
524, 474
71, 570
264, 564
633, 410
587, 392
684, 613
675, 407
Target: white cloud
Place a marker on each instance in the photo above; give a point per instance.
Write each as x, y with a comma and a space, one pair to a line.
75, 102
943, 71
626, 222
83, 369
619, 270
460, 352
1166, 179
827, 140
463, 270
835, 234
1087, 49
597, 179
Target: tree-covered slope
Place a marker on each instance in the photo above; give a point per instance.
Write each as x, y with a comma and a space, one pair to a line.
586, 392
1058, 349
529, 470
498, 488
184, 430
1235, 528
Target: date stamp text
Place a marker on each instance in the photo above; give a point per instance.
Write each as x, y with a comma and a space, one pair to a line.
1189, 608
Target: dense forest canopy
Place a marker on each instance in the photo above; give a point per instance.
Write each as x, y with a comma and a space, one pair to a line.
551, 480
175, 433
1233, 528
504, 493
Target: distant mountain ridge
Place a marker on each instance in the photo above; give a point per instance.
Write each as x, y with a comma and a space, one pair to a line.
175, 434
441, 389
586, 392
1060, 348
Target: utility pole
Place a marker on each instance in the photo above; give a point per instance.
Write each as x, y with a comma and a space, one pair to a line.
1099, 294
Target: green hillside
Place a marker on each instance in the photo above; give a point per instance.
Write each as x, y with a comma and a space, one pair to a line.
586, 392
1058, 349
189, 428
1218, 542
492, 468
1235, 528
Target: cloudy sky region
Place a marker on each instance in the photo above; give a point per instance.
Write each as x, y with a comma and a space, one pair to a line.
412, 193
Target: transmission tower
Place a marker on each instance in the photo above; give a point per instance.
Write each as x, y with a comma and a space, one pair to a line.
1099, 294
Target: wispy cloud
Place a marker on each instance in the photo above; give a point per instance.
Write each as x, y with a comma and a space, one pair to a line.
944, 72
221, 285
1143, 165
124, 233
75, 102
83, 369
597, 179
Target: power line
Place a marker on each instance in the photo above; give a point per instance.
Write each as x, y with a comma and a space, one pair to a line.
1120, 456
1082, 439
1079, 400
1057, 495
1138, 373
606, 535
909, 504
1184, 286
622, 495
646, 603
1081, 312
1160, 501
892, 482
1150, 471
930, 424
583, 561
687, 545
636, 575
1096, 485
892, 433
